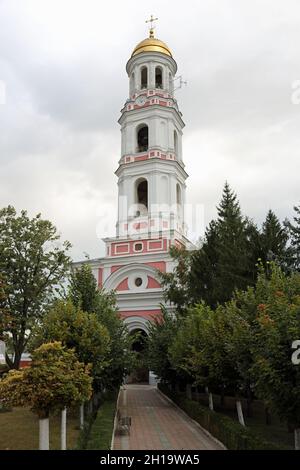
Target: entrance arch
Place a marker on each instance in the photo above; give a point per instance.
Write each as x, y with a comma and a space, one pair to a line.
137, 326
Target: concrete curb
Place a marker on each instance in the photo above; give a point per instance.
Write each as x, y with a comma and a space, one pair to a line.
205, 431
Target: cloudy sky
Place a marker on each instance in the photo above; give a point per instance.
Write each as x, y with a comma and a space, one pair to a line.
62, 67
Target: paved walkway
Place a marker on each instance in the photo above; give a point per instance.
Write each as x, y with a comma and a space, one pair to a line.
158, 424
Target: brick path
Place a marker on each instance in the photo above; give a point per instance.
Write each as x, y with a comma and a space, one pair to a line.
157, 423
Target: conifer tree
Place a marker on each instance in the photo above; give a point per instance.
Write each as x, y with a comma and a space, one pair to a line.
294, 232
232, 247
273, 240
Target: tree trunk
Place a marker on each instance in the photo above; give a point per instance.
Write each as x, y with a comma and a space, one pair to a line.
81, 416
63, 430
197, 394
188, 391
44, 433
211, 401
8, 361
297, 438
240, 412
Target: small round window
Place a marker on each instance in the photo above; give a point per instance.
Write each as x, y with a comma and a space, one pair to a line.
138, 282
138, 247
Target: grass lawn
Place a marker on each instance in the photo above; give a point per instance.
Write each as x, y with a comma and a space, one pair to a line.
19, 430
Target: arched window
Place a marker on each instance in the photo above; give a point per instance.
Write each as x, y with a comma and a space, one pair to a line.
142, 139
144, 77
175, 142
158, 77
142, 193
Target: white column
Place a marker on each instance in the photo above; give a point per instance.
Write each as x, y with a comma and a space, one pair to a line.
63, 435
44, 434
240, 412
151, 81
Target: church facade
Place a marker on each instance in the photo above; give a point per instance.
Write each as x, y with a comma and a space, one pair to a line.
151, 188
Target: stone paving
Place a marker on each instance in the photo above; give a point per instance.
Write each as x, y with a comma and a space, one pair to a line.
157, 424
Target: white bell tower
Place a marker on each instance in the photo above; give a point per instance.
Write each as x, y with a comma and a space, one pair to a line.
151, 188
151, 175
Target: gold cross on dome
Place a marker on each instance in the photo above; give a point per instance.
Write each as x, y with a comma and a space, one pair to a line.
151, 30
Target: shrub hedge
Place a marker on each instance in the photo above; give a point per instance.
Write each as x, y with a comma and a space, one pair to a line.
232, 434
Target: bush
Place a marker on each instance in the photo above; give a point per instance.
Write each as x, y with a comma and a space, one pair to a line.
230, 433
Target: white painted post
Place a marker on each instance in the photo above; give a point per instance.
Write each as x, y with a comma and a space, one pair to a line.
240, 412
211, 401
82, 416
297, 438
63, 430
44, 434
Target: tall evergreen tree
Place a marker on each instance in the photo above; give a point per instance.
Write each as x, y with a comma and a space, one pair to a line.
294, 232
233, 270
273, 240
225, 262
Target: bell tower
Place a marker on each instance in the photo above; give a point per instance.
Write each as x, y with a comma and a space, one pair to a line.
151, 175
151, 188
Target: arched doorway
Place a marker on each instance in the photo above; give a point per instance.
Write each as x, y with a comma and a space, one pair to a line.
140, 374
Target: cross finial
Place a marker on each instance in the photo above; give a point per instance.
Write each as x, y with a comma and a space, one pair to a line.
151, 30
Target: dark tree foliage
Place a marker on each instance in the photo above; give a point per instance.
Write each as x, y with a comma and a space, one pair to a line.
273, 240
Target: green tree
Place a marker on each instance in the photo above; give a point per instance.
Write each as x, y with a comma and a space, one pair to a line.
234, 269
80, 331
273, 240
85, 294
277, 379
161, 335
55, 380
176, 284
83, 289
33, 264
294, 232
225, 262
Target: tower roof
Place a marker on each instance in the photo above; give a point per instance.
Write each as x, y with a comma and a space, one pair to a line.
151, 44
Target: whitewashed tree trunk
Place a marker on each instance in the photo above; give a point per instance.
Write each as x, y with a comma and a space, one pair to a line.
82, 416
211, 401
44, 434
240, 412
63, 430
189, 391
297, 438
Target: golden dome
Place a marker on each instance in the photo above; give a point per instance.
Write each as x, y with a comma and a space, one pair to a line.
151, 44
